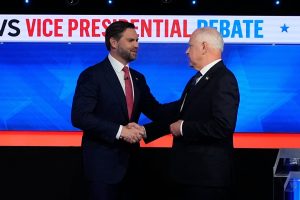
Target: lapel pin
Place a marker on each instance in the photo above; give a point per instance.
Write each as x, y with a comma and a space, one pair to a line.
136, 78
206, 78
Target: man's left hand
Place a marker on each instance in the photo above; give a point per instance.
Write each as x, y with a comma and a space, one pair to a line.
175, 128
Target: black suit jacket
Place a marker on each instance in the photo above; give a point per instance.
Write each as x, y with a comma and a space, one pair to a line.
99, 108
203, 155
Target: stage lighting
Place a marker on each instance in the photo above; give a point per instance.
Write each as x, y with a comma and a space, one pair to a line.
166, 1
72, 2
194, 2
277, 2
27, 1
109, 2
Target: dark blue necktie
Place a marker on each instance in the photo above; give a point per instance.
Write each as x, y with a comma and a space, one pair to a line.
193, 81
190, 87
195, 78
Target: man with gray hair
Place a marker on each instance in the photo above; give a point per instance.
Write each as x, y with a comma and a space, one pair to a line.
203, 125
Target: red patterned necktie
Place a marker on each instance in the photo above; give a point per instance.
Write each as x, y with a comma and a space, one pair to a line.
128, 90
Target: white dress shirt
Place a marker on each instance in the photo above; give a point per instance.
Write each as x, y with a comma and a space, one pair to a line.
118, 67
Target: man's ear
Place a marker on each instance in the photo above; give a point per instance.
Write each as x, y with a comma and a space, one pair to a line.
204, 47
113, 42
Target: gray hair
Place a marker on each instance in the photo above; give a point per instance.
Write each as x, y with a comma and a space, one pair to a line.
211, 36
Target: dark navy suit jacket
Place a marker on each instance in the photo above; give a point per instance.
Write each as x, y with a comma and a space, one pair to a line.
99, 108
203, 155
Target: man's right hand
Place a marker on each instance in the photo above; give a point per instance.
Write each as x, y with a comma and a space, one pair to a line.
131, 134
139, 127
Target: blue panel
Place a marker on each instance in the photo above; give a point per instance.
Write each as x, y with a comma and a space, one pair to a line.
292, 191
38, 80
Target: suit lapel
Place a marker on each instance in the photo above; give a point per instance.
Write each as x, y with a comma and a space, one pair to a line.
202, 83
112, 79
137, 92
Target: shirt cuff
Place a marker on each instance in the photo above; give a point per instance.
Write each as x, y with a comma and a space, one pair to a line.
145, 133
181, 133
119, 132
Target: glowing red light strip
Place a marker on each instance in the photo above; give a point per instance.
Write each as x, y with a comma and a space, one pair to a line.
73, 139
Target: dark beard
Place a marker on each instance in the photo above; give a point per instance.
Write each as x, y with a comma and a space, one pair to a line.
126, 55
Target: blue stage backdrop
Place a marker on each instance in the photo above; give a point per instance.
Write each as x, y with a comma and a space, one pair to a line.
38, 81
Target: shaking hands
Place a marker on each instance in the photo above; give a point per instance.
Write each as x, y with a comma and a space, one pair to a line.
133, 133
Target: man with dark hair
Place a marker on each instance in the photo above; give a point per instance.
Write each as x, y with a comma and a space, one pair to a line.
107, 98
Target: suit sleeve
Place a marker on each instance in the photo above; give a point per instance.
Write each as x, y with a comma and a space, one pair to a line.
152, 108
161, 114
84, 103
221, 124
159, 128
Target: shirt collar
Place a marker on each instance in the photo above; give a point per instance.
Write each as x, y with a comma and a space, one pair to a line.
118, 66
207, 67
